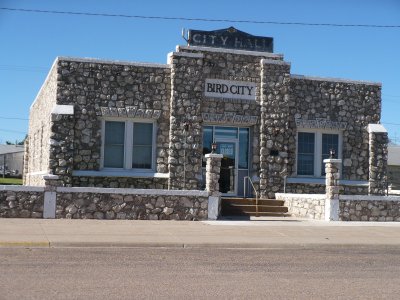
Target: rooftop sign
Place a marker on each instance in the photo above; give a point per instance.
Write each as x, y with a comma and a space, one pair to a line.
230, 38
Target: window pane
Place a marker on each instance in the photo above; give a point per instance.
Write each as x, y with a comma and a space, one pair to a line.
141, 158
329, 141
305, 153
142, 148
142, 133
226, 132
114, 144
207, 141
243, 148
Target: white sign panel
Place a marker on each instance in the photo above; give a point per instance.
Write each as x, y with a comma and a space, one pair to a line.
219, 88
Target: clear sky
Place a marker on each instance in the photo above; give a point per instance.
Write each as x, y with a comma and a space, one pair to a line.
29, 42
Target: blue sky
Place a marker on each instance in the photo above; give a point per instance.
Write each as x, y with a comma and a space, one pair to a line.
29, 42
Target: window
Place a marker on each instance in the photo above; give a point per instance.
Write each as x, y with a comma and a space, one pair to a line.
313, 148
128, 145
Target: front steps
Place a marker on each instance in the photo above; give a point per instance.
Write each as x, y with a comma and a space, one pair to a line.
248, 207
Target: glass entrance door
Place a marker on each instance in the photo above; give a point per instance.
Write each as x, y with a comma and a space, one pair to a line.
228, 174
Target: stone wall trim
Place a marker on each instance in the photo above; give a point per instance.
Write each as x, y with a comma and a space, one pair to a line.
376, 128
113, 62
274, 62
296, 76
300, 196
119, 174
186, 54
230, 51
124, 191
368, 198
21, 188
63, 109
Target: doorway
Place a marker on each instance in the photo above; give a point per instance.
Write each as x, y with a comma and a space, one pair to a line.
234, 144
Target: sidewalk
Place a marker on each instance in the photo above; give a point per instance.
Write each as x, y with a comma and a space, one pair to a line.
257, 233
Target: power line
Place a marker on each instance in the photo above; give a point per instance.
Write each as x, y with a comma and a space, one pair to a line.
195, 19
13, 131
12, 118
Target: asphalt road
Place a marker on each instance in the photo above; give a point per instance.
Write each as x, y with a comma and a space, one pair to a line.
159, 273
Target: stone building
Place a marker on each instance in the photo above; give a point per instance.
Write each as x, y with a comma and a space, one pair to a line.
118, 124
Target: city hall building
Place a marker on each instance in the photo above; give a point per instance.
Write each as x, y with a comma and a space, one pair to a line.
98, 123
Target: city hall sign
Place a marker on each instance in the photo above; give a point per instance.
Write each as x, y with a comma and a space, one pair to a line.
230, 38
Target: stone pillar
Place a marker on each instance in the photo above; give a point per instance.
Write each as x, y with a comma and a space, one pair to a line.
185, 153
332, 170
378, 156
275, 131
213, 170
61, 156
50, 196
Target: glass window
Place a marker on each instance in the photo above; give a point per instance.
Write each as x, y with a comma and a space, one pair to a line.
226, 132
207, 141
329, 141
142, 145
305, 153
243, 148
114, 144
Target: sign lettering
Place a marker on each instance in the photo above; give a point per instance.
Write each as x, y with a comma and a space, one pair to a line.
230, 38
219, 88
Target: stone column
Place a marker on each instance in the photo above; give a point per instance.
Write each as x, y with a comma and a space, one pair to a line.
61, 156
275, 131
185, 134
378, 156
332, 171
50, 195
213, 169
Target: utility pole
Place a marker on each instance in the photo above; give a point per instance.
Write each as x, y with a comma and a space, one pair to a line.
4, 165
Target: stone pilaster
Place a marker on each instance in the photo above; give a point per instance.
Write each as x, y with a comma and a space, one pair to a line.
274, 127
332, 170
378, 155
185, 153
62, 147
213, 169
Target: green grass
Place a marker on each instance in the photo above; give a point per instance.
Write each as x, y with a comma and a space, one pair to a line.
13, 181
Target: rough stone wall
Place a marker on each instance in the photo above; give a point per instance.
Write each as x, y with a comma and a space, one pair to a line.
120, 182
274, 131
235, 67
304, 206
369, 210
101, 90
356, 104
38, 150
378, 163
21, 204
301, 188
186, 96
131, 206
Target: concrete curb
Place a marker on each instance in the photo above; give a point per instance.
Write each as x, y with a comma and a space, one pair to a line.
24, 244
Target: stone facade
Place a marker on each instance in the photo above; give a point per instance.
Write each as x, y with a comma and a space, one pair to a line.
92, 205
308, 206
173, 96
378, 140
100, 203
381, 209
16, 202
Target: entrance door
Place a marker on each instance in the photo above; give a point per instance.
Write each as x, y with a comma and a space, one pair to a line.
228, 175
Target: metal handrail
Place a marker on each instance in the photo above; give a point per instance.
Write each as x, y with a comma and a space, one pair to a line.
245, 191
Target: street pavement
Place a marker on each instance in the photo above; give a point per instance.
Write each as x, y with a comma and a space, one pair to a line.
239, 233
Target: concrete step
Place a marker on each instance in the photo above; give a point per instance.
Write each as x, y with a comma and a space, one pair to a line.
269, 202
